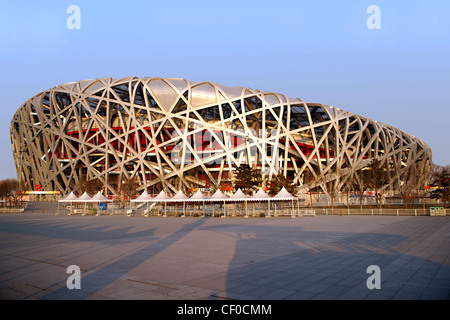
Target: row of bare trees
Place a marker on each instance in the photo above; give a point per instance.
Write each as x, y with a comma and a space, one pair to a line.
374, 177
440, 184
377, 177
9, 191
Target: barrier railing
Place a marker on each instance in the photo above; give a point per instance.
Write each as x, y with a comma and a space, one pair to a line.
375, 211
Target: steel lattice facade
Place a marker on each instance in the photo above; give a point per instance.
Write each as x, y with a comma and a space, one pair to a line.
178, 135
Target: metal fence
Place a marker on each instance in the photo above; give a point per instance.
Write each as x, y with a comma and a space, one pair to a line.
378, 212
287, 211
7, 207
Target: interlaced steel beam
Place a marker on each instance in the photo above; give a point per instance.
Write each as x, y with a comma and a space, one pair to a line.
175, 134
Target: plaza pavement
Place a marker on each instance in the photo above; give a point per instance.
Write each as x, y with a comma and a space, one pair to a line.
124, 258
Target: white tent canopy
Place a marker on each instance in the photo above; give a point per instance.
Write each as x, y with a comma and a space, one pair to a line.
283, 195
261, 195
162, 196
84, 198
71, 197
218, 196
143, 197
198, 196
239, 196
180, 196
100, 198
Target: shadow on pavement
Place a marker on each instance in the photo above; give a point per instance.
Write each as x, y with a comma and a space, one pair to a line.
311, 265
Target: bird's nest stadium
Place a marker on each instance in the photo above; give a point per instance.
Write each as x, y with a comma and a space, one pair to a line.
174, 134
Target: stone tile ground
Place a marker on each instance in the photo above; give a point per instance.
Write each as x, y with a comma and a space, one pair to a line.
122, 257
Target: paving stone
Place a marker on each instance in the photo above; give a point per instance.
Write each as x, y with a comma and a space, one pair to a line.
208, 258
277, 294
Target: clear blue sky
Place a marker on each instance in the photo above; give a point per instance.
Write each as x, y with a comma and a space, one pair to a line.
320, 51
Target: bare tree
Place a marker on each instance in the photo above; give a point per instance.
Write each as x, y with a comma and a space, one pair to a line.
358, 186
307, 184
280, 181
80, 187
128, 187
8, 189
408, 183
376, 176
93, 186
314, 183
347, 188
318, 189
332, 191
441, 184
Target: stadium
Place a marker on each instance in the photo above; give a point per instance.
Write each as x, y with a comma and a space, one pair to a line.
173, 134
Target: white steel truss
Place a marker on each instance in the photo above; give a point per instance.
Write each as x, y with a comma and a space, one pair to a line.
174, 134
